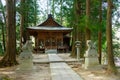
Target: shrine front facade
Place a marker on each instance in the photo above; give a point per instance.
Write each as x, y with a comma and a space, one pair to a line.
50, 35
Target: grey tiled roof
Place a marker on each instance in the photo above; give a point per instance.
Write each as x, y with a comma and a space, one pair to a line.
50, 28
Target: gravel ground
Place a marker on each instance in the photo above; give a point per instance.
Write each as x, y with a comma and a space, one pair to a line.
42, 71
39, 72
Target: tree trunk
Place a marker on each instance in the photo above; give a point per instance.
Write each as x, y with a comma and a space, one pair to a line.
61, 20
73, 53
22, 22
10, 57
111, 65
99, 45
53, 7
35, 4
87, 31
75, 31
99, 32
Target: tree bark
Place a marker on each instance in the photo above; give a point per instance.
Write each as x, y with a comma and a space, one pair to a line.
73, 53
87, 31
61, 12
87, 19
22, 21
99, 32
10, 57
111, 65
35, 4
99, 45
75, 31
78, 34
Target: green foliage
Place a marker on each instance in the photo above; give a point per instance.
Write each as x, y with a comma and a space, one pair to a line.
30, 10
116, 49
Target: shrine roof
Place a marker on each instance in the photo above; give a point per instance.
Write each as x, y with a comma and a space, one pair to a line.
49, 28
50, 22
50, 25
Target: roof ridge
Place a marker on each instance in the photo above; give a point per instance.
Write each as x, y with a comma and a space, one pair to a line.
50, 22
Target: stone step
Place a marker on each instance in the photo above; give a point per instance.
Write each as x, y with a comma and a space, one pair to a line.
51, 51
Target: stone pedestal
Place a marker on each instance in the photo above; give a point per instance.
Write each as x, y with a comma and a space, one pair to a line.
25, 58
91, 56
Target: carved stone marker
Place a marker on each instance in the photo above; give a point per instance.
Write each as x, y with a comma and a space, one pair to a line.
25, 58
91, 56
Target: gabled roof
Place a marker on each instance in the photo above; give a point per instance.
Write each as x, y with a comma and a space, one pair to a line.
50, 22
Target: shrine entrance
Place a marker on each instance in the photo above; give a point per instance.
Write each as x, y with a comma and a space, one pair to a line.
50, 40
50, 43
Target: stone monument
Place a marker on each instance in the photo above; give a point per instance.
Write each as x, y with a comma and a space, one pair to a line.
91, 56
25, 58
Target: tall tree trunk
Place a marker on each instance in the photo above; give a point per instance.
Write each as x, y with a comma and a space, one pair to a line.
77, 34
35, 4
3, 30
99, 45
22, 22
53, 7
111, 65
73, 53
10, 57
87, 31
99, 32
61, 18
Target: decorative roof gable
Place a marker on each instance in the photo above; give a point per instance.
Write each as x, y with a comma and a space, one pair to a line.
50, 22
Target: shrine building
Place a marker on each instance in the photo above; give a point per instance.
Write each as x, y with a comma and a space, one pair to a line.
50, 35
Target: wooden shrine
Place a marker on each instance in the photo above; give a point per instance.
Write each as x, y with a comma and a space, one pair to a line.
50, 35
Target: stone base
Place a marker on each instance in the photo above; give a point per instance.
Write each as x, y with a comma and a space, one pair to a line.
96, 67
90, 62
26, 64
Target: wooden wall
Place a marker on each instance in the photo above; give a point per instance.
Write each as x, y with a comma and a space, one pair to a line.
49, 40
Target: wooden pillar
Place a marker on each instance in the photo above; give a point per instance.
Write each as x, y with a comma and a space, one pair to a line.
62, 38
35, 41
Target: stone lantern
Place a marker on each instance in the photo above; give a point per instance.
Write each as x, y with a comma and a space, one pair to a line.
77, 45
